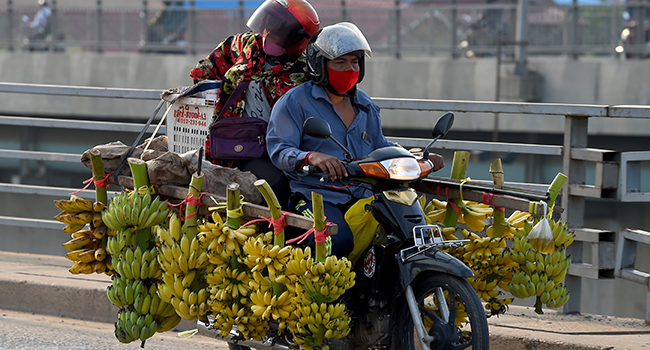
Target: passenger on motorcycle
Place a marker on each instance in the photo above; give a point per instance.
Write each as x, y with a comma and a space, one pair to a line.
271, 58
336, 64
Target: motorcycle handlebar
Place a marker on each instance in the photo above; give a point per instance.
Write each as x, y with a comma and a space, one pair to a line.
310, 169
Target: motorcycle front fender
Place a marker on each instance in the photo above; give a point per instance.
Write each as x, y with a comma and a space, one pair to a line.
431, 260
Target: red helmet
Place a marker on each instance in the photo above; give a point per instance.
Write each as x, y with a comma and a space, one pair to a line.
287, 23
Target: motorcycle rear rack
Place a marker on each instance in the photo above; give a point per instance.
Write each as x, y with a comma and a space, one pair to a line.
427, 237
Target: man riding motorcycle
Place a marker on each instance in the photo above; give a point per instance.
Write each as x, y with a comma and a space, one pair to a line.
336, 64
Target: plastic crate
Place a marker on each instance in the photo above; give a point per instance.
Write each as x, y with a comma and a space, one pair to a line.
189, 118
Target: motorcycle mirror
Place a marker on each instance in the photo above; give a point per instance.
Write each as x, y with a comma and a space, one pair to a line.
317, 128
443, 125
441, 129
320, 129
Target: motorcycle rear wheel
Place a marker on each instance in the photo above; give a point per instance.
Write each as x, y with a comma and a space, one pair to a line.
457, 331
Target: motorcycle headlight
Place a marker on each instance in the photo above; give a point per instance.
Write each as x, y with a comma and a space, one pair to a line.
403, 169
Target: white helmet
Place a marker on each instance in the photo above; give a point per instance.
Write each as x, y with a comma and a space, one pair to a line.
332, 42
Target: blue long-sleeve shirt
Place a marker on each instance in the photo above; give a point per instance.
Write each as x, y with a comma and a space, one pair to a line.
288, 146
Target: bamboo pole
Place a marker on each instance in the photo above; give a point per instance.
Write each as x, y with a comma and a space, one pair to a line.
233, 221
192, 211
232, 204
99, 174
554, 189
140, 179
274, 207
139, 171
498, 216
319, 224
458, 171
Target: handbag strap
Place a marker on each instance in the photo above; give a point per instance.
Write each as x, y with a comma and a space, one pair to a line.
233, 97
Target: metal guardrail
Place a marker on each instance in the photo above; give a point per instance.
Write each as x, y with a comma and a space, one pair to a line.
574, 160
393, 27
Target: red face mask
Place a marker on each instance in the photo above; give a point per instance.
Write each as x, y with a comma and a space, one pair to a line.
342, 81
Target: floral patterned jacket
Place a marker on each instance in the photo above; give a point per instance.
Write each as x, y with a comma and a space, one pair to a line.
241, 57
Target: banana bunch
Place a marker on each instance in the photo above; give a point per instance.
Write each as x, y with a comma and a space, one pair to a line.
490, 261
221, 239
435, 211
319, 321
230, 300
515, 221
228, 283
260, 256
480, 251
177, 252
182, 260
266, 305
234, 314
76, 212
320, 282
131, 326
185, 294
88, 253
488, 293
473, 214
133, 254
546, 290
136, 209
140, 305
136, 264
87, 247
299, 263
540, 275
315, 286
143, 321
561, 235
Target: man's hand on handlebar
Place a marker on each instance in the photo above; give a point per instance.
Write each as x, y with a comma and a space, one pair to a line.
437, 160
328, 164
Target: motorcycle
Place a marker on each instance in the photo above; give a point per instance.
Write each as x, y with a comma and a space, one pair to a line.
409, 293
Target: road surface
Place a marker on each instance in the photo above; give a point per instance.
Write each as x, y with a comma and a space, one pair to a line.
26, 331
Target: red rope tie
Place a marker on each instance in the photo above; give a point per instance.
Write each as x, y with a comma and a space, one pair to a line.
438, 191
103, 183
488, 200
190, 199
278, 224
319, 236
454, 206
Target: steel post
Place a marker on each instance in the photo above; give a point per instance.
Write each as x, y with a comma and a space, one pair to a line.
99, 27
575, 136
398, 31
521, 65
454, 29
10, 27
193, 28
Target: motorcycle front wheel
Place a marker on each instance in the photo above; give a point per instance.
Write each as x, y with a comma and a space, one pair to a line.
451, 312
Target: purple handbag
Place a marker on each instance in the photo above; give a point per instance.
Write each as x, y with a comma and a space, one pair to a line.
237, 138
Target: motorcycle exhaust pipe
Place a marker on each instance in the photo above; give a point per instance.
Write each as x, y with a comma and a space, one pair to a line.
267, 343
